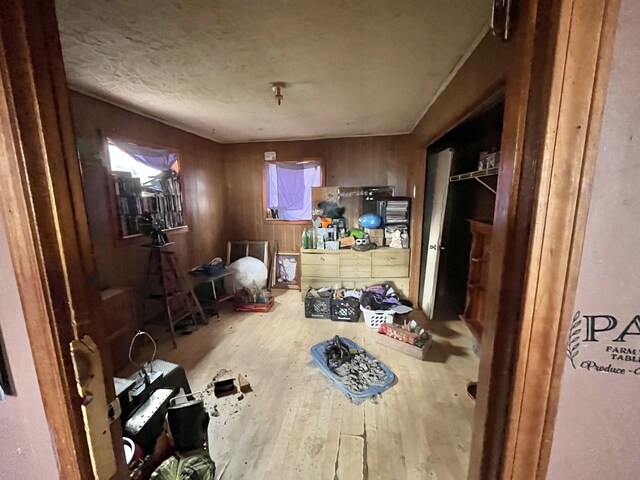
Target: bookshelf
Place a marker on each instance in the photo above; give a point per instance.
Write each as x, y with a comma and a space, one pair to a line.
163, 200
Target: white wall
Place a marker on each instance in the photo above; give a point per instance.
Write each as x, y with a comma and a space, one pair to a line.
26, 449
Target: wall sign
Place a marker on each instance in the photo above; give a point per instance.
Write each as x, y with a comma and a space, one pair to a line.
604, 344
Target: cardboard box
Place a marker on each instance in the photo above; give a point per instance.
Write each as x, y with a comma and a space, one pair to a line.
376, 235
398, 333
347, 242
332, 245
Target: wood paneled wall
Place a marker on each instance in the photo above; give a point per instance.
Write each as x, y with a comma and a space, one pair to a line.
349, 162
202, 172
398, 160
223, 183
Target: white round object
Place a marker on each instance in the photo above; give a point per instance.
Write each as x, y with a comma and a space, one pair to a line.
129, 449
250, 273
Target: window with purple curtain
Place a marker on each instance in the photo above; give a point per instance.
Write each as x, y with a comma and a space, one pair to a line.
288, 188
147, 187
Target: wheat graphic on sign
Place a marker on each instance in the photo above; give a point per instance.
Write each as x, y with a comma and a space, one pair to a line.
573, 341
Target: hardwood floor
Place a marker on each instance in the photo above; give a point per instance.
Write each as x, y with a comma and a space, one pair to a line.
296, 425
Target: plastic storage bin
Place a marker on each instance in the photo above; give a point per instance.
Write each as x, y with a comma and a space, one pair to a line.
318, 307
375, 318
345, 309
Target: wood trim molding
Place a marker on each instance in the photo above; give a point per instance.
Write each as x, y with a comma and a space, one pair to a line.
510, 243
551, 106
53, 366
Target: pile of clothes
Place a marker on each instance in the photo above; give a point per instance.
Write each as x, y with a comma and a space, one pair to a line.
198, 466
381, 297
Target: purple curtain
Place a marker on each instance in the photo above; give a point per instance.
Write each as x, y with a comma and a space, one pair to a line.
159, 158
290, 186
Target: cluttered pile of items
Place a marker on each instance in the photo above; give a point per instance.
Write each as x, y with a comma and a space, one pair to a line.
353, 370
245, 280
165, 424
407, 338
378, 304
341, 221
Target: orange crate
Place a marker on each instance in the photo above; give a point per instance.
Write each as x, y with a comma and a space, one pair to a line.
255, 307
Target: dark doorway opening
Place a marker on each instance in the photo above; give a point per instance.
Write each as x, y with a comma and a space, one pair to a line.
467, 199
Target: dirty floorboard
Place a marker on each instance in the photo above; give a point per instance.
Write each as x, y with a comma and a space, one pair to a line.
296, 425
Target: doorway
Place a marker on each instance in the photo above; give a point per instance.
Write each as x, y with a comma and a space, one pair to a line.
460, 190
518, 106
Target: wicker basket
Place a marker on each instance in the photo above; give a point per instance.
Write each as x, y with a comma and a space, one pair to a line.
375, 318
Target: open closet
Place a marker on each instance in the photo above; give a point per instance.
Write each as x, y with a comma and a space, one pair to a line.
460, 193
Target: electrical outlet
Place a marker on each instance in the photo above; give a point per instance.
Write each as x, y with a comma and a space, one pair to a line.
114, 411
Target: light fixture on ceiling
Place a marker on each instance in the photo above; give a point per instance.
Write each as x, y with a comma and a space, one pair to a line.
277, 88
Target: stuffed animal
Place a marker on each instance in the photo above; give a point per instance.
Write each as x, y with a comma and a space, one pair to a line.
396, 239
249, 273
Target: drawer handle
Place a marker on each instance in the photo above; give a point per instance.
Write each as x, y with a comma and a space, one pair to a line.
322, 258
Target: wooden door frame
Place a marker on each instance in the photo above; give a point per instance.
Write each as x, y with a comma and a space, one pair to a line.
578, 70
46, 223
553, 107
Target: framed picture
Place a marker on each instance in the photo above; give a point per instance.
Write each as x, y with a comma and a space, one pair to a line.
286, 270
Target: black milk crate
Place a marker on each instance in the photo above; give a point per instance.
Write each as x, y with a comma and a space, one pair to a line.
318, 307
345, 309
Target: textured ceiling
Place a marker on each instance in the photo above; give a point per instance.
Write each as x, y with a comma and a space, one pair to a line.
356, 67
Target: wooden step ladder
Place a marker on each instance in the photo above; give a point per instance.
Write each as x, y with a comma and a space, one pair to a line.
165, 282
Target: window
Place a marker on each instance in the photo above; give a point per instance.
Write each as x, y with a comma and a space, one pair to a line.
288, 188
146, 183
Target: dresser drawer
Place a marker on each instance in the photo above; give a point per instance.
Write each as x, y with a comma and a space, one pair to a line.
320, 270
355, 271
390, 257
389, 271
355, 258
320, 259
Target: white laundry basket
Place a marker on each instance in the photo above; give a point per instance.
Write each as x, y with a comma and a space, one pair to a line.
375, 318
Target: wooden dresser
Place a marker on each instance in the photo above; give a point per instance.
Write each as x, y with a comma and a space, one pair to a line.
351, 269
478, 277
